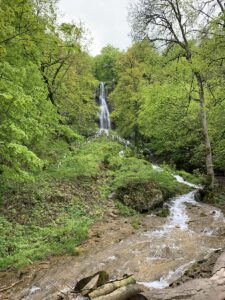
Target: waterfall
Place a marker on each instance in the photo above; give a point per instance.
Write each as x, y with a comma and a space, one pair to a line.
104, 117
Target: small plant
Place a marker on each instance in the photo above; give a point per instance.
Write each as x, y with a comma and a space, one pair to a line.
135, 222
125, 210
20, 245
162, 212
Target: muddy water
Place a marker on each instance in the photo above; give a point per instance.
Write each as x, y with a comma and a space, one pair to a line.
157, 255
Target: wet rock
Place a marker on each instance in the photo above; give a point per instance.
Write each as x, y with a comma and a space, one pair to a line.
220, 263
203, 268
34, 290
140, 196
192, 290
212, 288
166, 252
199, 195
112, 215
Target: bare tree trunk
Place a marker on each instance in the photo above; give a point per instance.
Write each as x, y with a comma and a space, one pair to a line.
203, 119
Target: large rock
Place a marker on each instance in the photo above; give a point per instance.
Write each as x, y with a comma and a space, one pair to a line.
212, 288
140, 196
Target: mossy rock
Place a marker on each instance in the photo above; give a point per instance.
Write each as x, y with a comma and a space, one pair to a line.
140, 196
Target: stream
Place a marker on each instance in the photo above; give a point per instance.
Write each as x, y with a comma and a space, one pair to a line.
157, 256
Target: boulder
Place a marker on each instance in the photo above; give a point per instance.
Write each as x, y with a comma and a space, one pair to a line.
140, 196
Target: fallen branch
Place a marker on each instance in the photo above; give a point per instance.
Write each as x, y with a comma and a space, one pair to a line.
112, 286
122, 293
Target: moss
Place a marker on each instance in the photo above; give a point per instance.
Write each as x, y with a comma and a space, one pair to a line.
141, 196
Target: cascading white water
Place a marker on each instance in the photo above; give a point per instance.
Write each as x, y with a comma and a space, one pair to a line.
158, 256
104, 116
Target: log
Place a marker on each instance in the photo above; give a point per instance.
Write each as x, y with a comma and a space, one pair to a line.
112, 286
122, 293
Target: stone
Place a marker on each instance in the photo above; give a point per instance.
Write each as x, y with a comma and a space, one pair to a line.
208, 288
140, 196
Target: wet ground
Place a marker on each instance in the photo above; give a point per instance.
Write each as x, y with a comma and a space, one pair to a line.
158, 253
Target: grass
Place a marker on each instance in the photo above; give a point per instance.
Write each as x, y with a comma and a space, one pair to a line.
124, 210
20, 245
52, 215
86, 160
128, 170
195, 178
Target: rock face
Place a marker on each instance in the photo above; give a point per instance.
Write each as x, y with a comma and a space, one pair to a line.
212, 288
202, 268
140, 196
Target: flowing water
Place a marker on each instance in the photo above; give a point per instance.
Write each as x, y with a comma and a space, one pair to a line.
104, 118
156, 255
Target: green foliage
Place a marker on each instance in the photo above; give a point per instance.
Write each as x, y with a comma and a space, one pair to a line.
87, 160
135, 222
68, 134
47, 86
134, 170
125, 210
46, 218
21, 245
127, 98
105, 68
195, 178
26, 116
52, 215
155, 103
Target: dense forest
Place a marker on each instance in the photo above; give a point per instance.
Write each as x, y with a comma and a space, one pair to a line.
48, 85
165, 95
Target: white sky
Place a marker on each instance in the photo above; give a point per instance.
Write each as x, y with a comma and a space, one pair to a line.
105, 19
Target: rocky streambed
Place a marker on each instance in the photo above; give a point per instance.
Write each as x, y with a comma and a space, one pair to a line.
157, 254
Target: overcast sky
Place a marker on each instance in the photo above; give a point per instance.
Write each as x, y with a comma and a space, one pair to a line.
105, 19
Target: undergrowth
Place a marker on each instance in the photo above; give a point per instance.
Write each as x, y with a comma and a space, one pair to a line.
124, 210
22, 244
52, 214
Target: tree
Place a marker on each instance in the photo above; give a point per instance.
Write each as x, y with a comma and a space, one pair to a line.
170, 23
75, 96
135, 70
46, 88
60, 48
167, 118
105, 66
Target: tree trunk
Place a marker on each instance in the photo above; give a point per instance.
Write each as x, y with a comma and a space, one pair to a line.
203, 118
